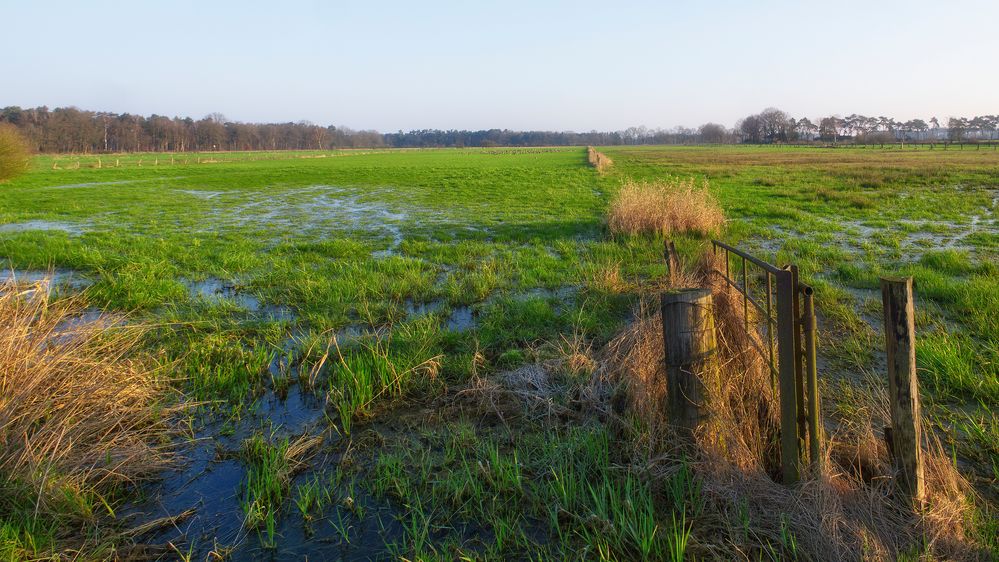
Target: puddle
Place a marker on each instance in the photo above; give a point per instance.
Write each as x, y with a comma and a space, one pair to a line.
216, 290
316, 212
460, 319
118, 182
55, 279
87, 320
212, 481
564, 296
60, 226
201, 194
93, 184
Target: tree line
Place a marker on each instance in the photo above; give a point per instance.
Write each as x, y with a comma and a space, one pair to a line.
775, 126
72, 130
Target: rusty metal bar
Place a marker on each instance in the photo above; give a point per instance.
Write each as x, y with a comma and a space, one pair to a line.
786, 376
754, 260
814, 406
799, 363
770, 330
745, 292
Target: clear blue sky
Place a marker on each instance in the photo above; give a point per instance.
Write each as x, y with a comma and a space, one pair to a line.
581, 65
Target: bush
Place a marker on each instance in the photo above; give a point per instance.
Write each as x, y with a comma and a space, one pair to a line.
15, 156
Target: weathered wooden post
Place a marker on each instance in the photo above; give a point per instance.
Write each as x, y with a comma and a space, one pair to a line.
691, 364
904, 437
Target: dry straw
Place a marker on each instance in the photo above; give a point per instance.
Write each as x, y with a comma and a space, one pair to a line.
78, 410
598, 160
666, 207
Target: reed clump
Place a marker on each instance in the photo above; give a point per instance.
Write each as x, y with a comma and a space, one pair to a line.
665, 207
80, 409
598, 160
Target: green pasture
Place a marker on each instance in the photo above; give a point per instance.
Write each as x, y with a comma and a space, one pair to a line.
432, 267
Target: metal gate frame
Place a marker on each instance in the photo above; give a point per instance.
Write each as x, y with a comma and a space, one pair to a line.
790, 311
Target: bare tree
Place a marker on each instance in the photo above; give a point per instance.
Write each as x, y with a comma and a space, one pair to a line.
712, 133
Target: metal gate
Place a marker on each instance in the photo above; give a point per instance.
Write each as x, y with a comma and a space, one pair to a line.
787, 331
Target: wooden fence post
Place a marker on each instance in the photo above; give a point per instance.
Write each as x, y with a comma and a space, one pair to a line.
691, 364
904, 437
672, 261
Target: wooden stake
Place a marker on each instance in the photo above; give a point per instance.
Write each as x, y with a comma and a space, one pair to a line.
672, 261
905, 436
691, 364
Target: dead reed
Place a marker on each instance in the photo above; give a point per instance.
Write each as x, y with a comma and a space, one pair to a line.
79, 410
598, 160
665, 207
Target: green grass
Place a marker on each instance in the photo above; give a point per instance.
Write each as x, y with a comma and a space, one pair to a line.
384, 249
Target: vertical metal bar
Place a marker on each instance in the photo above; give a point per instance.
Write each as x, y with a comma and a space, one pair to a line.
785, 356
745, 293
799, 359
814, 406
726, 264
770, 326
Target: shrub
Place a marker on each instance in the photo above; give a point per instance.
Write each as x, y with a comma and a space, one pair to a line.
15, 157
669, 206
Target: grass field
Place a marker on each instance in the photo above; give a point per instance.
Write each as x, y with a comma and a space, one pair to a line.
436, 270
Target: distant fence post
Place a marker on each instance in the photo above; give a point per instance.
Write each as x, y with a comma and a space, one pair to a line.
672, 261
904, 437
691, 364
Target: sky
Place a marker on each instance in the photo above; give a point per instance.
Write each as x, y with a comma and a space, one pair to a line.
539, 65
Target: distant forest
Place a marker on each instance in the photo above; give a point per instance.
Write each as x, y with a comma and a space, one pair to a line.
72, 130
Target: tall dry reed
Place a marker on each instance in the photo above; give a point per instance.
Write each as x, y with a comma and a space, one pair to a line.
666, 207
78, 409
598, 160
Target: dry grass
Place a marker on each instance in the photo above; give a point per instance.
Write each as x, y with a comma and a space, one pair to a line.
598, 160
840, 513
78, 411
666, 207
